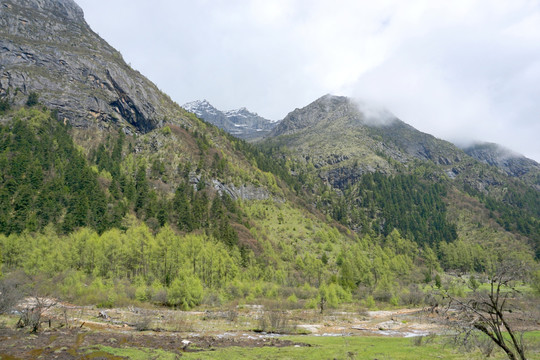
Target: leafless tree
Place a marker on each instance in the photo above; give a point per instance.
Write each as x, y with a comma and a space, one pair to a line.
31, 316
488, 311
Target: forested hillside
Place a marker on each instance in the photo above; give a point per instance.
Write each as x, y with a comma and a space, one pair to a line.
98, 225
143, 202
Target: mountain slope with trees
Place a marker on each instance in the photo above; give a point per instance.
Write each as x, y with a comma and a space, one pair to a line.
111, 194
377, 167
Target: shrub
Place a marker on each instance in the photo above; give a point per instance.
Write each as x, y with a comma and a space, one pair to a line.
143, 322
292, 299
33, 99
275, 321
141, 293
4, 105
185, 293
369, 302
166, 130
412, 296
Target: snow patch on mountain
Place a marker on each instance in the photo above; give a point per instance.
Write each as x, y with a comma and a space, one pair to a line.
240, 122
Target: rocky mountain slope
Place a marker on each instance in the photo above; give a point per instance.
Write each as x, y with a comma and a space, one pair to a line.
512, 163
241, 123
48, 48
347, 138
343, 142
340, 136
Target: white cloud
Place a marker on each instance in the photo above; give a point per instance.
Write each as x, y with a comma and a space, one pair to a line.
459, 69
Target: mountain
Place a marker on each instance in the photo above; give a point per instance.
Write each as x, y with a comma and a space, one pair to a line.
241, 123
347, 145
510, 162
141, 145
94, 159
341, 136
48, 48
120, 196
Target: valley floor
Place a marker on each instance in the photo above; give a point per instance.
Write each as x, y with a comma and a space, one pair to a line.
77, 332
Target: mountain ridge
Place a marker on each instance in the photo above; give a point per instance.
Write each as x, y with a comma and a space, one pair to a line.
241, 122
373, 134
48, 48
509, 161
334, 140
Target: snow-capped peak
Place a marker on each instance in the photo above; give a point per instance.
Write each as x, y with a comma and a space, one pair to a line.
242, 112
199, 107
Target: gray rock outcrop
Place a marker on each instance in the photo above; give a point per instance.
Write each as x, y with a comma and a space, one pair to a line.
46, 47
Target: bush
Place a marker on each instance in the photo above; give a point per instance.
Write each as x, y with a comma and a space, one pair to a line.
166, 130
143, 322
4, 105
292, 299
141, 293
535, 283
412, 296
369, 302
186, 293
275, 321
212, 299
383, 295
32, 315
33, 99
160, 297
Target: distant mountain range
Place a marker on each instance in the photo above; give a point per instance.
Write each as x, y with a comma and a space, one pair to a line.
241, 123
364, 133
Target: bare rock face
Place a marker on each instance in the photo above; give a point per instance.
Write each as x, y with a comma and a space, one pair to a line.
244, 192
46, 47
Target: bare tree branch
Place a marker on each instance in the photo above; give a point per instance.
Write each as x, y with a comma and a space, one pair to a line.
488, 311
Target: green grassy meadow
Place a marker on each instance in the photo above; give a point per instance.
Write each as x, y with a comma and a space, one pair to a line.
341, 347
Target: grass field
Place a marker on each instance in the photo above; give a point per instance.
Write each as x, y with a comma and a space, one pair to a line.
328, 348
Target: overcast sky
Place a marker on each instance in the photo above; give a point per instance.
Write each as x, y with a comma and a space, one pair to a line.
460, 70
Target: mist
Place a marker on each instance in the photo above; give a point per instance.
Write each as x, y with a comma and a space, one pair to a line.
375, 115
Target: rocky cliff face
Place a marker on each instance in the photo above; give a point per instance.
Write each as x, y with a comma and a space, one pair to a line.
46, 47
241, 123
